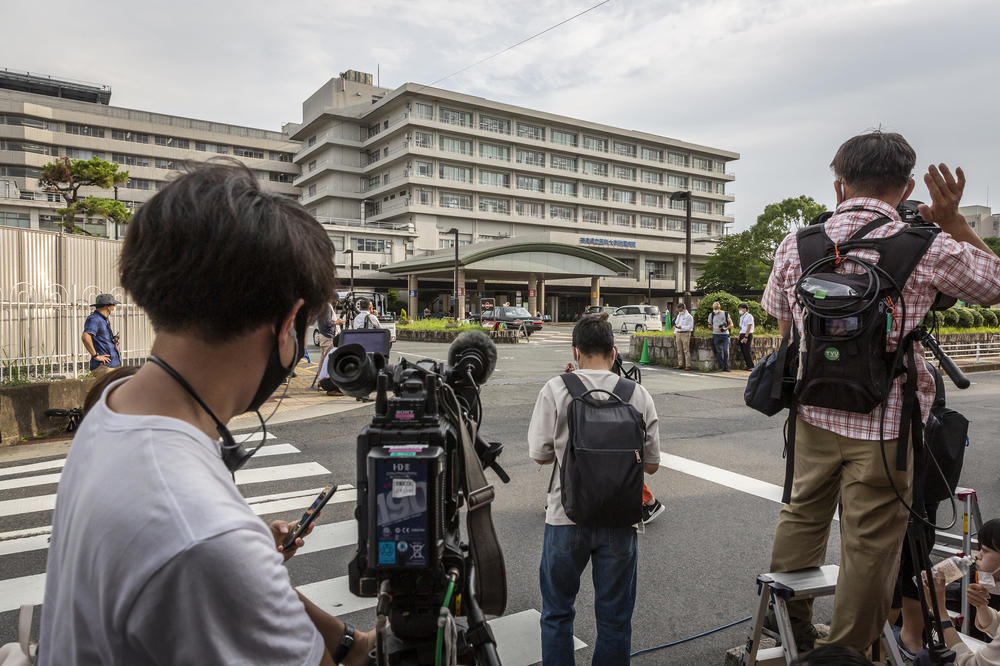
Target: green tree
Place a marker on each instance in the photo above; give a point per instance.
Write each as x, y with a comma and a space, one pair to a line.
742, 262
67, 176
993, 244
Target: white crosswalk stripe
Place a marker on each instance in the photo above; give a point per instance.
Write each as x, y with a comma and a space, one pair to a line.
294, 485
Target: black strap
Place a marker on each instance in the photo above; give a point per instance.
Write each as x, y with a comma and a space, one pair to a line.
624, 389
909, 414
786, 490
574, 384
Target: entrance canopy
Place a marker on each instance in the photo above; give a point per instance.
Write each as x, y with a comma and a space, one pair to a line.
513, 260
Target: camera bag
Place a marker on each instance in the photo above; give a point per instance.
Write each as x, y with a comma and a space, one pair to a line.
771, 385
947, 435
601, 473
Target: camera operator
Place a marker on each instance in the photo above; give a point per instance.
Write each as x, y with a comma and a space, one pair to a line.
367, 316
837, 453
155, 557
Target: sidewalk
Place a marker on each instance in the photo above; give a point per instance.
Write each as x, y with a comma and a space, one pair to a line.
301, 401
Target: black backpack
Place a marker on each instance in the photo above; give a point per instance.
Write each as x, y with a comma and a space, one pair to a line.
602, 468
847, 317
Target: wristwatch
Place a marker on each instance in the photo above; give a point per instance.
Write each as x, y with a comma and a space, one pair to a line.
345, 645
947, 624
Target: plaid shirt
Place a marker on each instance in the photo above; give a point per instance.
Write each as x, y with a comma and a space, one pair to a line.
955, 268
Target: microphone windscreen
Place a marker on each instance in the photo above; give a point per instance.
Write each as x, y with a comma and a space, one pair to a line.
474, 350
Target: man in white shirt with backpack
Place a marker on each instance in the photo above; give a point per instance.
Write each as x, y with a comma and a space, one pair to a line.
605, 508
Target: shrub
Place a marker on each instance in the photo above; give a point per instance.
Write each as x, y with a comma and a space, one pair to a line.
965, 319
933, 319
951, 317
977, 317
990, 318
728, 302
761, 319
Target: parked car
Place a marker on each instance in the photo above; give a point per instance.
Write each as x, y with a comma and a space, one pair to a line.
632, 318
598, 309
511, 316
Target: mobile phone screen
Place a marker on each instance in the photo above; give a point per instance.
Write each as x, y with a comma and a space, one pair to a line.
309, 516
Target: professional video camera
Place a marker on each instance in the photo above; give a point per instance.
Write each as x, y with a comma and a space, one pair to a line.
418, 462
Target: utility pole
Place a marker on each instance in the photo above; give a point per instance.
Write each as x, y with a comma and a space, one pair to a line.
454, 230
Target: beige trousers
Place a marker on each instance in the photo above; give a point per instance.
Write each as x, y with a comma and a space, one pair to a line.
325, 345
683, 340
829, 467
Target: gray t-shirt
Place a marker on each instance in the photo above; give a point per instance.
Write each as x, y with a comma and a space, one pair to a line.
548, 432
155, 558
718, 320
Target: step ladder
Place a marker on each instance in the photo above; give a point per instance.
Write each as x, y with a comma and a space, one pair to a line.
779, 589
948, 544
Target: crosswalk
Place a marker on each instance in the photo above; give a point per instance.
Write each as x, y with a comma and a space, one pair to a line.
28, 495
563, 336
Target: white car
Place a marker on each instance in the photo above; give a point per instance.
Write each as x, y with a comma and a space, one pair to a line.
632, 318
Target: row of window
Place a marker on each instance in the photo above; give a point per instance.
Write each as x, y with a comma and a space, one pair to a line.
499, 125
530, 183
536, 158
142, 137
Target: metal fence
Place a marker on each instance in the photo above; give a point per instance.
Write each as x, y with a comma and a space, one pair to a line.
41, 328
971, 351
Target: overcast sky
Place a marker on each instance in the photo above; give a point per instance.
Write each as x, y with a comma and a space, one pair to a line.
782, 82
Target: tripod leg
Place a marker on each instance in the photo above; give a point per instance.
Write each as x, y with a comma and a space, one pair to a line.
939, 652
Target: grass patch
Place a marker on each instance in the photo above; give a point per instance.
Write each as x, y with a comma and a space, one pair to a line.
944, 330
437, 325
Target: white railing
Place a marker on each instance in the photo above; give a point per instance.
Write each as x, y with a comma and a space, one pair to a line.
40, 331
972, 351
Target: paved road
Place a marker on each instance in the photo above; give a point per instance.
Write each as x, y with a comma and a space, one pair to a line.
697, 563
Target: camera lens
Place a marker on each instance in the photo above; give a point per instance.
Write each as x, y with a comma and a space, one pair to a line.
353, 371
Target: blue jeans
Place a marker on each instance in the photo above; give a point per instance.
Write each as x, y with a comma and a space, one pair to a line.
614, 557
721, 343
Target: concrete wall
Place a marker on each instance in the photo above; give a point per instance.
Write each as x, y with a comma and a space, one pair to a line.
22, 408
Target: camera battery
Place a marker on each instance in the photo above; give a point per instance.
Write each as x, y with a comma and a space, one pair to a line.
404, 506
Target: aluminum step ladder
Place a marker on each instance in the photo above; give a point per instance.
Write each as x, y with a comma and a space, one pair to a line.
779, 589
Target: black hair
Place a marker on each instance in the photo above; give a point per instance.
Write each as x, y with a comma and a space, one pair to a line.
875, 163
214, 255
833, 655
592, 335
364, 304
989, 534
744, 306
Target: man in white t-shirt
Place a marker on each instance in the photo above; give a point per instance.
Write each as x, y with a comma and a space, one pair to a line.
367, 316
568, 547
683, 327
155, 557
746, 334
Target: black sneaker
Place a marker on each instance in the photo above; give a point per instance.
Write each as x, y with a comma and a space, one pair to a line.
651, 511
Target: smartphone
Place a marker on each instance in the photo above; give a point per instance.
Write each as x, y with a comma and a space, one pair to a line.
309, 516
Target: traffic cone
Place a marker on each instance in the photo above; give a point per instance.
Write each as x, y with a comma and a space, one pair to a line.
644, 358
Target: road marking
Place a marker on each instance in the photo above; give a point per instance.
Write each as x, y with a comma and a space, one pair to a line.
41, 480
723, 477
279, 472
254, 436
519, 638
24, 590
334, 596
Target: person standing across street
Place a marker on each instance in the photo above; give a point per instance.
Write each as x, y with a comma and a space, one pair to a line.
683, 328
98, 339
567, 547
366, 317
721, 322
328, 324
837, 453
746, 334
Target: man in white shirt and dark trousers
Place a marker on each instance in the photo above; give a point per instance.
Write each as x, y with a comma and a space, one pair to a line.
366, 317
683, 326
567, 547
746, 334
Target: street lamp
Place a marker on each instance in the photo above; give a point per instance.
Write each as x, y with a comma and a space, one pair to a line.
686, 196
454, 230
351, 252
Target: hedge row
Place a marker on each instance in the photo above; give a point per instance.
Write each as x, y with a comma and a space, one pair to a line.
964, 317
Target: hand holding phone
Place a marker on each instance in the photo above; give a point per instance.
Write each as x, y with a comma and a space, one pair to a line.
309, 516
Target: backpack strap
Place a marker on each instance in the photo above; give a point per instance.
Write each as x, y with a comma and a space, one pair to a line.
624, 389
574, 384
813, 244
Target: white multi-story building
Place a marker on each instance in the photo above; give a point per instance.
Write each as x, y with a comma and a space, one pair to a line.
434, 166
43, 119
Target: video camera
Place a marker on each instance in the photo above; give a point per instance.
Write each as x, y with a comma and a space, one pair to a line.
418, 462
